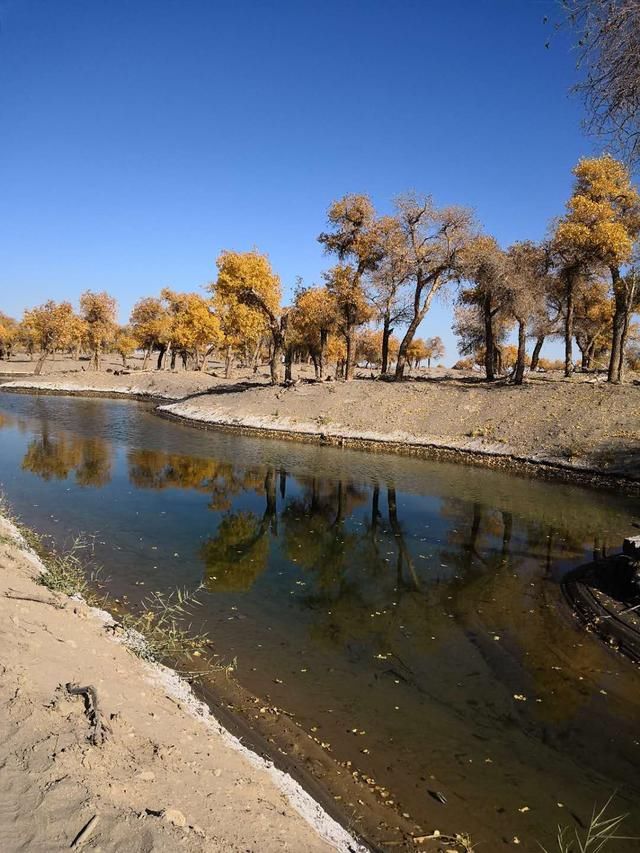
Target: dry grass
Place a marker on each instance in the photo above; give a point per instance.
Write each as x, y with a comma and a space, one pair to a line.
601, 831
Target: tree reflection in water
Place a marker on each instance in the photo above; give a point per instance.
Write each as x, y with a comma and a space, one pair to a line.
239, 551
57, 457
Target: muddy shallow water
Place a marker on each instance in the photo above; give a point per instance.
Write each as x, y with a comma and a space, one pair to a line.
408, 613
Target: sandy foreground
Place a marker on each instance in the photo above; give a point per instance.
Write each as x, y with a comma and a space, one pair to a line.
168, 778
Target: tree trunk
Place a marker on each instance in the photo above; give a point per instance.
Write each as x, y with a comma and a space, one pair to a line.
276, 361
147, 353
489, 345
316, 365
387, 331
585, 361
497, 360
41, 360
173, 359
348, 337
227, 363
401, 361
161, 353
535, 356
623, 295
288, 362
255, 357
568, 324
96, 358
324, 335
623, 343
522, 343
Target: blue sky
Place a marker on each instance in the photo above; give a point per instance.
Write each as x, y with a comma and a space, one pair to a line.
138, 139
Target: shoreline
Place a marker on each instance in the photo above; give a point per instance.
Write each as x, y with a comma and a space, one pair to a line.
427, 449
115, 670
173, 407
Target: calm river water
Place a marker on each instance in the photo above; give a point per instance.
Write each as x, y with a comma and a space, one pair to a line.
407, 611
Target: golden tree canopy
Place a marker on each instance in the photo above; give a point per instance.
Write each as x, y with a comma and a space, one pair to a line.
98, 310
603, 214
248, 278
352, 305
50, 326
193, 325
314, 315
150, 322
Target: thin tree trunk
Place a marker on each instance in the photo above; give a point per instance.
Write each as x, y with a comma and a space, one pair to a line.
147, 353
386, 334
348, 370
161, 353
568, 325
41, 360
288, 363
489, 345
256, 356
316, 365
522, 343
623, 343
324, 335
401, 360
535, 356
227, 363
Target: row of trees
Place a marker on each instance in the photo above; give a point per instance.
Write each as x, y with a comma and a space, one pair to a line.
240, 317
55, 327
579, 284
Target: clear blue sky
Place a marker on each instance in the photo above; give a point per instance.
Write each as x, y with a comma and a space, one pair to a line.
140, 137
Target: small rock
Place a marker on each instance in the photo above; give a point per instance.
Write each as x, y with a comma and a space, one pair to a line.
174, 816
146, 776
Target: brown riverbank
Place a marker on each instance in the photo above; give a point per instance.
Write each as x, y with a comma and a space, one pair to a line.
582, 429
168, 777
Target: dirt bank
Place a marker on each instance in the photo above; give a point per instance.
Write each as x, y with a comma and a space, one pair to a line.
169, 776
582, 428
142, 384
572, 426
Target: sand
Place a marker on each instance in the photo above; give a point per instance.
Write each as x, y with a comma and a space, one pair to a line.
168, 778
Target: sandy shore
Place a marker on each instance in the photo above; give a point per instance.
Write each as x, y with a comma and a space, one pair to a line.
169, 777
581, 428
